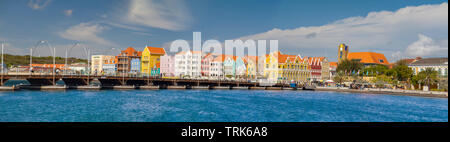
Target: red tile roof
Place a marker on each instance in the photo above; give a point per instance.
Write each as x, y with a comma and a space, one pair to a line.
368, 57
156, 50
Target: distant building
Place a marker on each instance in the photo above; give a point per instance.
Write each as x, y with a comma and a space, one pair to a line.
78, 68
438, 64
167, 66
151, 59
98, 61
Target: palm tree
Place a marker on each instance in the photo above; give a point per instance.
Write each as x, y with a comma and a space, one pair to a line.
429, 76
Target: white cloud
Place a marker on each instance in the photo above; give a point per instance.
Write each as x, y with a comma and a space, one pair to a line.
425, 46
385, 32
86, 32
38, 4
68, 12
168, 14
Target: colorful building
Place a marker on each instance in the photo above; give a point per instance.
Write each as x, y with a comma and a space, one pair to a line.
241, 67
110, 67
151, 59
283, 68
124, 59
167, 66
229, 66
252, 67
98, 61
206, 64
368, 58
343, 51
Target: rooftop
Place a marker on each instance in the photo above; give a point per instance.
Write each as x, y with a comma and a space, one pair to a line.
430, 61
368, 57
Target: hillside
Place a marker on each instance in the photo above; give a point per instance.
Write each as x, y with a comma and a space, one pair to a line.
15, 60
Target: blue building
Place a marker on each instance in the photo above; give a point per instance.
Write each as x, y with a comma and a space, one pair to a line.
135, 65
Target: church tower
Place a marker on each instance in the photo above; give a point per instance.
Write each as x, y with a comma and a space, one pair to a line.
343, 52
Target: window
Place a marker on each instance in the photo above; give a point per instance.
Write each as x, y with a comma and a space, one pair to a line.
381, 61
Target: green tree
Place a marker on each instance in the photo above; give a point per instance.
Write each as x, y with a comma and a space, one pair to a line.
429, 76
375, 70
339, 77
348, 66
401, 71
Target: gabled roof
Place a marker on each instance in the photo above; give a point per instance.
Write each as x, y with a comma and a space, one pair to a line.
156, 50
315, 60
368, 57
130, 51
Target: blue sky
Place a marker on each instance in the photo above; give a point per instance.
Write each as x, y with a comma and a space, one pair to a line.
108, 25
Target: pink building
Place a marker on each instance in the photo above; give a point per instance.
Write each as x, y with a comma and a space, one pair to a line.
206, 64
168, 66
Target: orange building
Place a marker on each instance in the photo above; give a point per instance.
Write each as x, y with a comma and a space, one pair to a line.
368, 58
125, 57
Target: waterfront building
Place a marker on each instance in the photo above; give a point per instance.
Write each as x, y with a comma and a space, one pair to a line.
124, 59
135, 66
333, 67
438, 64
216, 69
271, 69
110, 67
156, 70
252, 65
316, 68
241, 67
151, 59
188, 64
206, 64
229, 66
167, 66
98, 61
325, 75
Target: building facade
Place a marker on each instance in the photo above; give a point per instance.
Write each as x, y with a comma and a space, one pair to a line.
188, 64
438, 64
124, 59
167, 66
98, 61
151, 59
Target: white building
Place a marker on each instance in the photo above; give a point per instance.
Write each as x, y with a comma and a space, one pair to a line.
438, 64
188, 64
216, 68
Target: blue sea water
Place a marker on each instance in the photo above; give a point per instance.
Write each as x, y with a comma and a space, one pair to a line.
216, 106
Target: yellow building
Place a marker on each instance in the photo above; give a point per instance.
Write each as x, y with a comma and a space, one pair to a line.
286, 68
342, 52
252, 66
151, 59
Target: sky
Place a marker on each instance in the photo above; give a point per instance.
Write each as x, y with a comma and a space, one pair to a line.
396, 28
